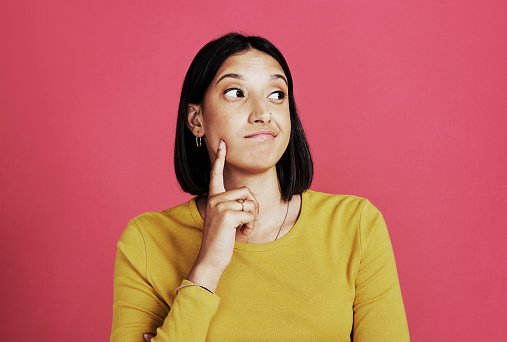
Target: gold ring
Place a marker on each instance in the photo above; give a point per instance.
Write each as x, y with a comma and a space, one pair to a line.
242, 201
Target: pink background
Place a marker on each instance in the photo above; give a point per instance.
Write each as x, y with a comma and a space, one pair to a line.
404, 103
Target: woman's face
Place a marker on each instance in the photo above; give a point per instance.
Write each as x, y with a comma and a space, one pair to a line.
247, 106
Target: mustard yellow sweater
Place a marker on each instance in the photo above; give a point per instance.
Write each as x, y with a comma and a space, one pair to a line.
332, 277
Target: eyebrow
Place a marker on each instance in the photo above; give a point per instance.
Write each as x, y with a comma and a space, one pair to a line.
277, 76
240, 77
236, 76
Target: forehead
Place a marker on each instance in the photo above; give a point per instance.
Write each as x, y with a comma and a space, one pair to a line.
250, 61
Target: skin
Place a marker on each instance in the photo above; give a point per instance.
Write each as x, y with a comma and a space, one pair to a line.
245, 123
233, 108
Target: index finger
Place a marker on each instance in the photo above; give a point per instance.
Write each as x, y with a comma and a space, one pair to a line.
216, 182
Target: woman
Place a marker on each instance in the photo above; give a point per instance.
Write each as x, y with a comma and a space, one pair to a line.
256, 256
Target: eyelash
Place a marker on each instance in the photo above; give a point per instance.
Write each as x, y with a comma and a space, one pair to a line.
237, 89
282, 94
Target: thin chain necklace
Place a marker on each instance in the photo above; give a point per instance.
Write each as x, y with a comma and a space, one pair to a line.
280, 229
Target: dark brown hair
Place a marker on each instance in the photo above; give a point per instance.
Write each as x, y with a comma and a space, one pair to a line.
192, 166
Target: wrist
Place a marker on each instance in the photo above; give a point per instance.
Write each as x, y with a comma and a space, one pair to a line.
194, 284
206, 275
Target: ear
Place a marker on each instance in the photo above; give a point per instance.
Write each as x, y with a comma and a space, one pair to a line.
194, 120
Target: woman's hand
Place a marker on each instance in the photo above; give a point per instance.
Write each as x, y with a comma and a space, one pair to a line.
226, 212
147, 337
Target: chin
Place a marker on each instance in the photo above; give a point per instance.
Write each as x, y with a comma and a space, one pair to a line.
254, 160
255, 165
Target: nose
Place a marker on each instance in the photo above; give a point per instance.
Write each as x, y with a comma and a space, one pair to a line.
260, 113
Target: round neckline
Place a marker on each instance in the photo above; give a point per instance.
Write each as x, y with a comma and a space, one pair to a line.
259, 246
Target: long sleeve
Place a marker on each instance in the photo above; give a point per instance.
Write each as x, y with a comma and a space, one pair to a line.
138, 308
332, 277
379, 314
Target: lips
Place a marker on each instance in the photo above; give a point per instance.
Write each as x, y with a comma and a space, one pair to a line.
262, 135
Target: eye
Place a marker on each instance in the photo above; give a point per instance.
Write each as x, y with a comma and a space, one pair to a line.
234, 92
277, 95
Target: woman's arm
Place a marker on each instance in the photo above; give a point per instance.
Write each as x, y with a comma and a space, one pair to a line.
138, 309
224, 216
379, 314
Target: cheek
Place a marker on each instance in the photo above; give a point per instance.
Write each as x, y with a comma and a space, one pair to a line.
217, 128
285, 122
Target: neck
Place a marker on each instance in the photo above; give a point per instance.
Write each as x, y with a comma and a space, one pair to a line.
266, 190
264, 186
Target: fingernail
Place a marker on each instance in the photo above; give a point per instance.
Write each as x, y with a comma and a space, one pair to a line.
221, 145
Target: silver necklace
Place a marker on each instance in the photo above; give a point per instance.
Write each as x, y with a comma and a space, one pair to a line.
280, 229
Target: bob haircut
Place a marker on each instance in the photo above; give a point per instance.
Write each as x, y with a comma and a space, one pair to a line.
191, 163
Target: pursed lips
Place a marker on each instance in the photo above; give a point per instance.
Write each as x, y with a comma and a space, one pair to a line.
262, 135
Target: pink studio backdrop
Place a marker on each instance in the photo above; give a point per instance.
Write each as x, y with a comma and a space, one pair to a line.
403, 102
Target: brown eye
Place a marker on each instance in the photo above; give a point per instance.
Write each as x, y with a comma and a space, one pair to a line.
234, 92
277, 95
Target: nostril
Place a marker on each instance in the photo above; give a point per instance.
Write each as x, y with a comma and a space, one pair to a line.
260, 116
